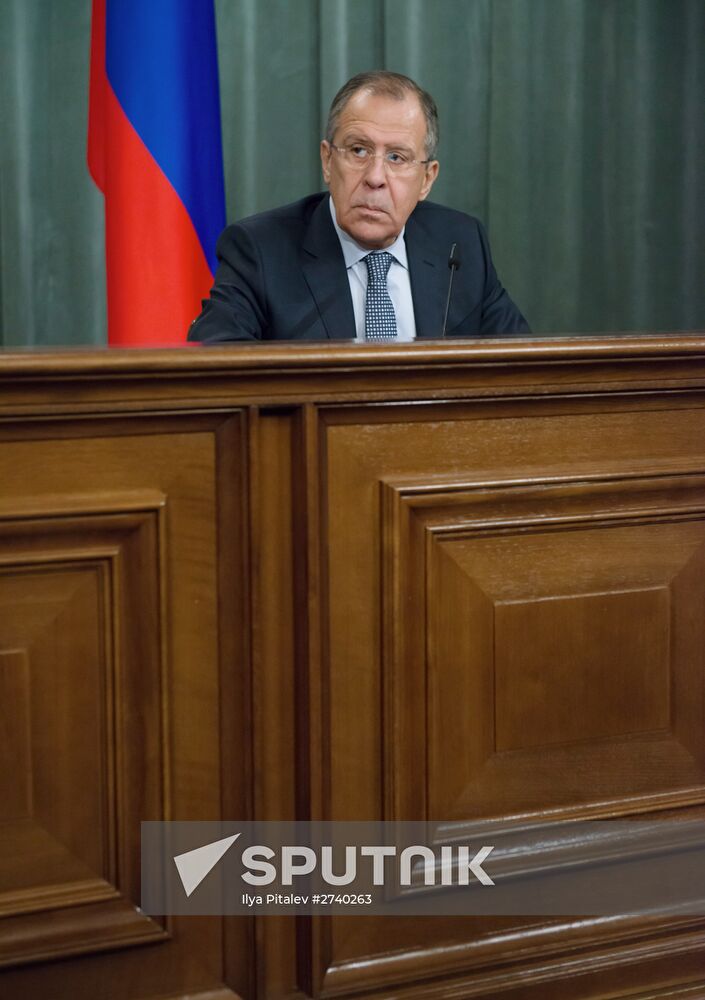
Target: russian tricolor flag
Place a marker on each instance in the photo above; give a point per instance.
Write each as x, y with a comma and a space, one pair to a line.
154, 150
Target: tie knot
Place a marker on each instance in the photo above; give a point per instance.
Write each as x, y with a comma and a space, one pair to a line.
378, 264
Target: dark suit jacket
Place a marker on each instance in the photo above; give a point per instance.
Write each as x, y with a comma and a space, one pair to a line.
282, 276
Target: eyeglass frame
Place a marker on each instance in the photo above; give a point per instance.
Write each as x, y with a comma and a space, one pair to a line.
374, 156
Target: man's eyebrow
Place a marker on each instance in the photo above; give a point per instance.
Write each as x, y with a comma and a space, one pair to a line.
366, 141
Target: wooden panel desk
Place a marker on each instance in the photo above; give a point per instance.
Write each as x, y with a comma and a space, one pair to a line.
439, 582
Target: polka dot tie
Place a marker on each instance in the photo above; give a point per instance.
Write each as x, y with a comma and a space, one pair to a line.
380, 321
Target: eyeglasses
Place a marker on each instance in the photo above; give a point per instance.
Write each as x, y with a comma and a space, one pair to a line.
358, 157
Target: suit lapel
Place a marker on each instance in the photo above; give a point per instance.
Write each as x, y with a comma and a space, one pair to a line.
429, 278
324, 270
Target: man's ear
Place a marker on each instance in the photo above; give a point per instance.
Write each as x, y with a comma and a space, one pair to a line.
325, 159
432, 169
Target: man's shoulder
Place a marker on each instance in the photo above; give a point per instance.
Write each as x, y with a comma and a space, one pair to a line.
430, 213
295, 214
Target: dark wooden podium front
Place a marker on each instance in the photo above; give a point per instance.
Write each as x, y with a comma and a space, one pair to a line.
449, 582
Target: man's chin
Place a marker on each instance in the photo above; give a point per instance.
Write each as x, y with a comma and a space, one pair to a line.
372, 235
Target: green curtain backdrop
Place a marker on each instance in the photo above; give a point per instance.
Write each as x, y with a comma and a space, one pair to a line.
574, 128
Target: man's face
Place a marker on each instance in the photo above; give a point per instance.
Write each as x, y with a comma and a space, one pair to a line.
372, 204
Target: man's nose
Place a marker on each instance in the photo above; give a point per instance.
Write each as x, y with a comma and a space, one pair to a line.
376, 173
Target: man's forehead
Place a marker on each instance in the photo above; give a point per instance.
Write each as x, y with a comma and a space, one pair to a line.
380, 112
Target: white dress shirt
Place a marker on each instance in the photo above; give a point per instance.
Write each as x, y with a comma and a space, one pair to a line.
398, 283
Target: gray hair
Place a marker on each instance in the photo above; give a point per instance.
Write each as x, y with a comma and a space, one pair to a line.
383, 83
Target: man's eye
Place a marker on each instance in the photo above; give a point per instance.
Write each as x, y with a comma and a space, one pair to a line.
397, 158
359, 152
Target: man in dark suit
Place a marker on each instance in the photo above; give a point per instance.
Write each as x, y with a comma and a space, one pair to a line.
369, 261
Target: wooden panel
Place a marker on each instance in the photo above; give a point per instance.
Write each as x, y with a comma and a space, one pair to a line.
15, 737
554, 668
580, 688
487, 581
63, 585
109, 598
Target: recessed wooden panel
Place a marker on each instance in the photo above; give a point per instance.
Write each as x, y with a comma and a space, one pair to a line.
15, 737
71, 681
582, 667
435, 450
111, 581
63, 588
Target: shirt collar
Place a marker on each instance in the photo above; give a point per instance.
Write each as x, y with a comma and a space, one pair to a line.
353, 252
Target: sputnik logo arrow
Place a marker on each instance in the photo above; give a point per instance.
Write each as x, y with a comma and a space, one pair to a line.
193, 866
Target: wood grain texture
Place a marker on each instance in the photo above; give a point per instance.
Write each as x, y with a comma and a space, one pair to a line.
109, 586
444, 582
